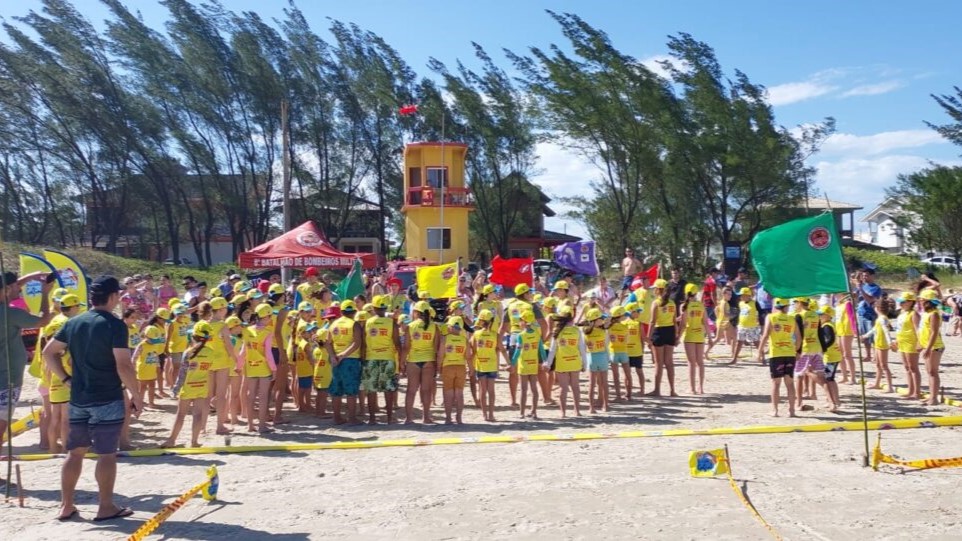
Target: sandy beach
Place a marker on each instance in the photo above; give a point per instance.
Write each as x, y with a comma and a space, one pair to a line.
808, 486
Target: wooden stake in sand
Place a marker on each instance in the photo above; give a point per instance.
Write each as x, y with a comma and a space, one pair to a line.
19, 486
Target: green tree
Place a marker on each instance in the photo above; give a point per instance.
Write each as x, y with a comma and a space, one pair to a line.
931, 200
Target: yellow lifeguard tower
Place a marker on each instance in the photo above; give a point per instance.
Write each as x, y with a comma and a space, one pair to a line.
436, 202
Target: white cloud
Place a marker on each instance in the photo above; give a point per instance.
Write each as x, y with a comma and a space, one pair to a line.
653, 63
879, 143
873, 89
564, 173
787, 93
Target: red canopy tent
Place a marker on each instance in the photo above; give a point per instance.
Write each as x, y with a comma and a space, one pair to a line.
302, 247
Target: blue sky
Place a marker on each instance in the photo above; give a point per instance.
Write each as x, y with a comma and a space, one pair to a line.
871, 65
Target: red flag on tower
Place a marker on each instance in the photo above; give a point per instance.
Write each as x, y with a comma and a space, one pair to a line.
409, 109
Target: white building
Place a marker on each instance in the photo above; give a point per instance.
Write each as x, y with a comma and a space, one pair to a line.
883, 229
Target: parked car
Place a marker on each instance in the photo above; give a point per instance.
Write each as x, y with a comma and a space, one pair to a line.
182, 261
941, 261
543, 267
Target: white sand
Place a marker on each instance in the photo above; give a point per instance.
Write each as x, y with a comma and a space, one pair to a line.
808, 486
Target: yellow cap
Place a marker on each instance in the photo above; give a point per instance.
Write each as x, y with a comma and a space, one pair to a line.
218, 303
423, 295
380, 303
593, 314
239, 299
232, 321
153, 333
690, 289
305, 307
163, 314
907, 296
528, 316
487, 289
455, 321
632, 307
745, 291
58, 294
242, 286
617, 311
780, 302
565, 311
275, 289
660, 283
929, 295
550, 302
70, 300
203, 330
560, 284
174, 302
263, 310
486, 315
826, 311
216, 293
456, 305
348, 306
802, 300
521, 289
422, 306
362, 316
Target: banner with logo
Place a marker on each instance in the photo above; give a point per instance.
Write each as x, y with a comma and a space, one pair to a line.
33, 290
577, 257
72, 276
440, 281
511, 272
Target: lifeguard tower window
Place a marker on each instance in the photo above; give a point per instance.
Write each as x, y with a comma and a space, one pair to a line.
435, 176
435, 235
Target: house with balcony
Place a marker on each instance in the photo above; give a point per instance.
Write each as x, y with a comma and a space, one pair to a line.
886, 226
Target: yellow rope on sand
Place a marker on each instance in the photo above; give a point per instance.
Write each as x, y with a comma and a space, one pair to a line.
878, 457
209, 489
748, 504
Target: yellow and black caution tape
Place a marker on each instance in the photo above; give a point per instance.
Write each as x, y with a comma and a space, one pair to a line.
878, 457
24, 424
748, 504
847, 426
208, 490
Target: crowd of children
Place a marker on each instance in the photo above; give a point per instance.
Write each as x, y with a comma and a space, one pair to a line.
244, 351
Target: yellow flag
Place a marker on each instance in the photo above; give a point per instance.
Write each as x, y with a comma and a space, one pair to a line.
33, 290
440, 281
71, 274
707, 463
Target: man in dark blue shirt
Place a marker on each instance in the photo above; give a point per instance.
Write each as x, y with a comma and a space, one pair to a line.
97, 342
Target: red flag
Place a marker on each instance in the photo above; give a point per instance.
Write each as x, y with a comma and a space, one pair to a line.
409, 109
511, 272
650, 275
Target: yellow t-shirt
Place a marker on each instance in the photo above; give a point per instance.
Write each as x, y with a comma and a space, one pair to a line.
694, 322
179, 329
907, 336
59, 392
810, 343
618, 338
515, 309
196, 383
302, 361
529, 353
455, 350
255, 340
323, 374
485, 350
881, 328
422, 341
843, 321
133, 336
218, 349
664, 314
379, 339
567, 357
781, 339
636, 344
925, 331
595, 340
834, 353
148, 361
495, 308
747, 315
342, 335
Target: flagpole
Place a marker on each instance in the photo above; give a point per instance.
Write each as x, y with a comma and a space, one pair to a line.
444, 178
861, 364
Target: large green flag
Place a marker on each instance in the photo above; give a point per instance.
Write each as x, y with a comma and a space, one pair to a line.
352, 285
801, 258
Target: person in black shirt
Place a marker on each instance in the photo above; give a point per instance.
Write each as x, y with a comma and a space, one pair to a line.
676, 287
97, 342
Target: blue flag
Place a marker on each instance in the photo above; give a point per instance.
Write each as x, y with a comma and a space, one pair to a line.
577, 257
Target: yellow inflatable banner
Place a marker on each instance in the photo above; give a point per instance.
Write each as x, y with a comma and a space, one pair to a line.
33, 290
878, 457
72, 276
